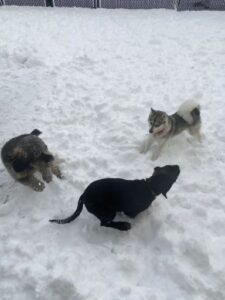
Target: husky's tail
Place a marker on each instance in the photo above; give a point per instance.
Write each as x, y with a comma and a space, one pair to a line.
74, 215
190, 112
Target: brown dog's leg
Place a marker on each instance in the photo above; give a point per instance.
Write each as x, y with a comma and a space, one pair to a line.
56, 171
46, 174
44, 169
33, 183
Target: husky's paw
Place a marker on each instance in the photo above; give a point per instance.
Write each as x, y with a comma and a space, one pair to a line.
200, 137
154, 156
144, 147
197, 138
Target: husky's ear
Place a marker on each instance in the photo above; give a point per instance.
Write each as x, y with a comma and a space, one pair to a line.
152, 110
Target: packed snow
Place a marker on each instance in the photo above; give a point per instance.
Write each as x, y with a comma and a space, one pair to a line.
87, 79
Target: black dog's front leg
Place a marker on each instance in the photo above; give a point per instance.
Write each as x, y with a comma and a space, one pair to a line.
123, 226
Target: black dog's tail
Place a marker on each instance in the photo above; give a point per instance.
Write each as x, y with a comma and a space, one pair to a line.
74, 215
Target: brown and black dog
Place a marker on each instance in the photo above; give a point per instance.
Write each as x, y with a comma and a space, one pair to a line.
26, 154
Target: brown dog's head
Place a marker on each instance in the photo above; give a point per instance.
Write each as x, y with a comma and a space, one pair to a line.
163, 178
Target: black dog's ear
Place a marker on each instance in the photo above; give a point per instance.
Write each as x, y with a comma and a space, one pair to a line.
46, 157
152, 110
156, 169
163, 179
36, 132
20, 165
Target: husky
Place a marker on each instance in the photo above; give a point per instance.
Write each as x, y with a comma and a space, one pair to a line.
26, 154
163, 126
105, 197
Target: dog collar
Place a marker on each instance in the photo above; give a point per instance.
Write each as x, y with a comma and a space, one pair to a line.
148, 180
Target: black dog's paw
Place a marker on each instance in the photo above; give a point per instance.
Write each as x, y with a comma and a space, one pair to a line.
123, 226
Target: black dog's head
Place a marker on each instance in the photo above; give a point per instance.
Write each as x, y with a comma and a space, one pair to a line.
163, 178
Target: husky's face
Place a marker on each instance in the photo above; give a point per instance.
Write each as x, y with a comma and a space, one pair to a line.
158, 123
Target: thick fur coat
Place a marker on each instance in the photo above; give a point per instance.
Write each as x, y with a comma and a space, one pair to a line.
162, 126
26, 154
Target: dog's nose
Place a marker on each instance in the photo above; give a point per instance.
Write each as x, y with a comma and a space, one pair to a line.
150, 130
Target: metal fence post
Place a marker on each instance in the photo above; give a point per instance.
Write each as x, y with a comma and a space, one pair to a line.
96, 3
49, 3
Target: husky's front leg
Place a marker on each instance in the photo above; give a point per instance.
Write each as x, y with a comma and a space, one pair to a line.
147, 143
158, 150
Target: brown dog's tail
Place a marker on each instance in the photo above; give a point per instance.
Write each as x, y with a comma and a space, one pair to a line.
36, 132
74, 215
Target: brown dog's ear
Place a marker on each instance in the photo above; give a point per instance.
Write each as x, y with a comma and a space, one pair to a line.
46, 157
20, 165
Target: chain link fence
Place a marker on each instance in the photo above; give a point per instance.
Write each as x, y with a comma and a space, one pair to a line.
201, 5
137, 4
75, 3
128, 4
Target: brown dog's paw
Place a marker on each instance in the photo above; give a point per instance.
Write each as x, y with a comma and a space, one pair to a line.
38, 186
57, 172
47, 177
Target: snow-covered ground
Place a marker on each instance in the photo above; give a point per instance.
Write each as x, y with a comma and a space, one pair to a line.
87, 80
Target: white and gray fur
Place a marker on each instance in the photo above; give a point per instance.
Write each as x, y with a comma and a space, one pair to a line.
163, 126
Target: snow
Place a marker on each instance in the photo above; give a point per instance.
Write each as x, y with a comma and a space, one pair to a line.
87, 79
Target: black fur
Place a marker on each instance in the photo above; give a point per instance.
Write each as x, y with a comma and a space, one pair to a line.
196, 112
20, 165
36, 132
46, 157
105, 197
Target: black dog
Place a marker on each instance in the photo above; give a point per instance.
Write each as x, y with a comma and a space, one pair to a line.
105, 197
